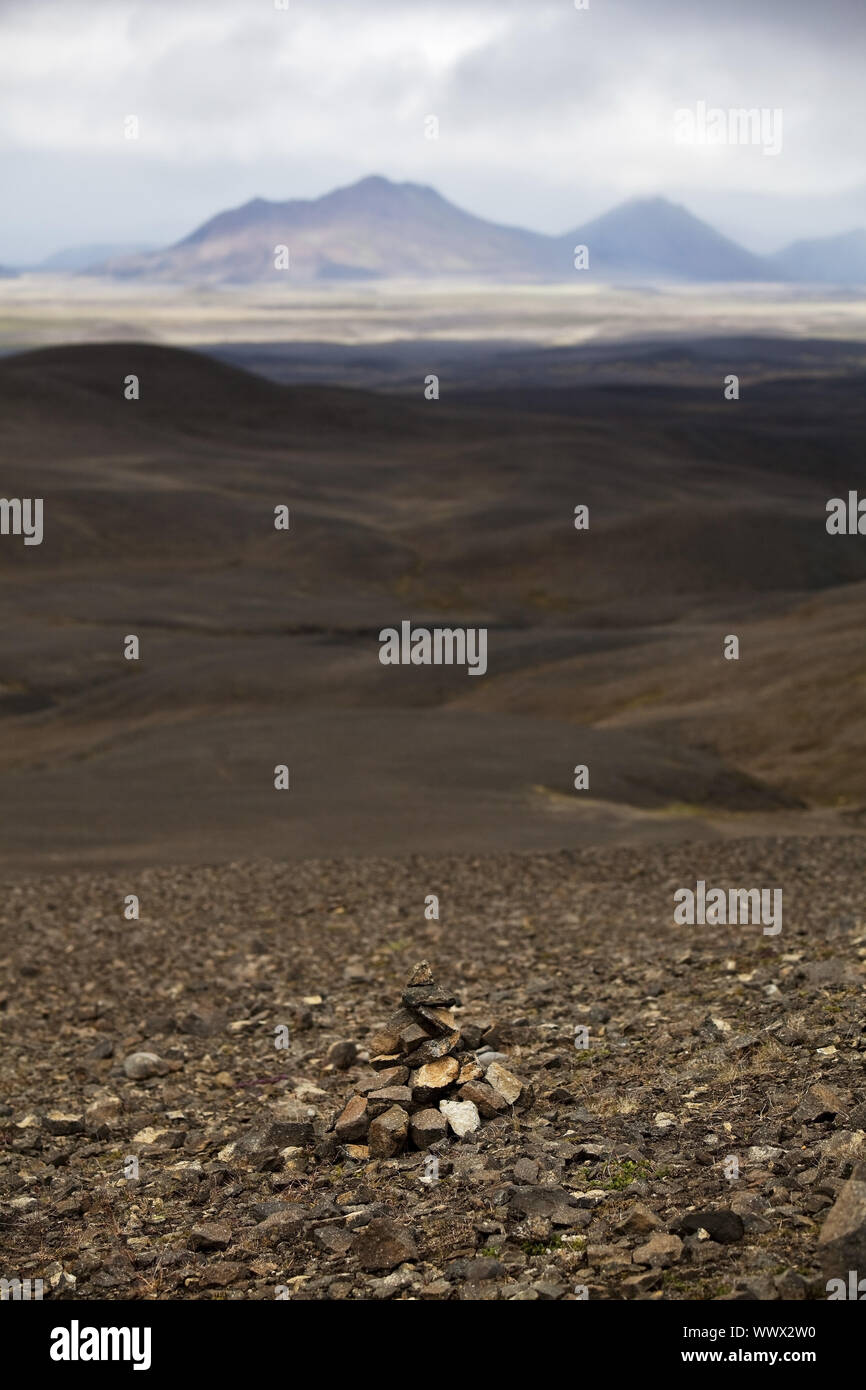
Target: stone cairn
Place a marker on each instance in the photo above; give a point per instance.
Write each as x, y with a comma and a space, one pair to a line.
426, 1082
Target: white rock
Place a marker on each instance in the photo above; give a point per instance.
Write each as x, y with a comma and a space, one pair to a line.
461, 1115
140, 1065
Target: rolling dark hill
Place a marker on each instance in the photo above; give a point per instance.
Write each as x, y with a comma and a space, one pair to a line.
259, 646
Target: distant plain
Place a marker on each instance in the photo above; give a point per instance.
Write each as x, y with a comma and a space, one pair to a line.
41, 310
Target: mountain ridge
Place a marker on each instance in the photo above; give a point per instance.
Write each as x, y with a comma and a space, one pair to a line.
831, 260
379, 229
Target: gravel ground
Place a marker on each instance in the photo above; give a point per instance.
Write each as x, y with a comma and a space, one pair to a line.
214, 1170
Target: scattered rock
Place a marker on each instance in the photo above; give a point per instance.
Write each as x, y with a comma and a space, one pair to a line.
214, 1235
503, 1082
791, 1285
723, 1226
639, 1220
764, 1153
63, 1122
342, 1055
485, 1057
526, 1170
335, 1239
820, 1102
141, 1065
383, 1244
103, 1115
220, 1276
285, 1224
203, 1025
842, 1242
660, 1250
552, 1203
477, 1271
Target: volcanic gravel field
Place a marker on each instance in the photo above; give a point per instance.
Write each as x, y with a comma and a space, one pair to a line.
256, 991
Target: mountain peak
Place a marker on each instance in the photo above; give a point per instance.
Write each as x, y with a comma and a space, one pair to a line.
377, 228
376, 186
373, 181
651, 201
657, 238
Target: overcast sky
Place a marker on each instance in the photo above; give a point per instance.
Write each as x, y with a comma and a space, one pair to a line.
548, 115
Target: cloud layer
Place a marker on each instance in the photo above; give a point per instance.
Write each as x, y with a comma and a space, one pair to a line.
547, 113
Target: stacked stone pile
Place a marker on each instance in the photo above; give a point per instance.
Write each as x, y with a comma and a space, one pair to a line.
425, 1083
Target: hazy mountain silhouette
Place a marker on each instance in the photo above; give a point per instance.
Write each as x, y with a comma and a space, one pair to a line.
84, 257
371, 229
656, 238
834, 259
377, 229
